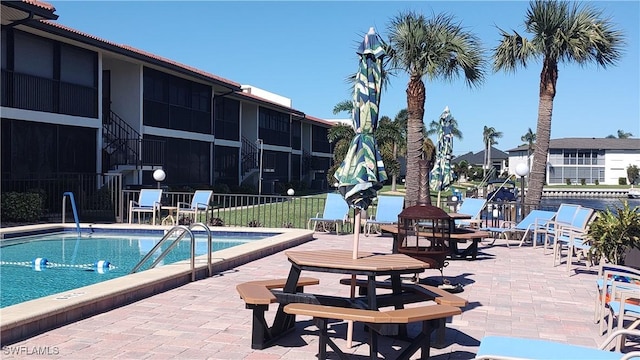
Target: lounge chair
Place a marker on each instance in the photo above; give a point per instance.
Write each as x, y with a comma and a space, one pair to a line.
572, 235
471, 207
507, 348
335, 212
525, 226
564, 216
148, 202
387, 212
199, 205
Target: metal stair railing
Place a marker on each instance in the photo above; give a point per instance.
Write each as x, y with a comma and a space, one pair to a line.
249, 156
176, 241
185, 230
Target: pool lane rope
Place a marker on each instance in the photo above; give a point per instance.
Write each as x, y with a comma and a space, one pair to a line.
39, 264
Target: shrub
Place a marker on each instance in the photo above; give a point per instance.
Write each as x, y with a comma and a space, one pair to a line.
21, 207
622, 181
216, 222
612, 233
596, 181
254, 223
583, 182
568, 181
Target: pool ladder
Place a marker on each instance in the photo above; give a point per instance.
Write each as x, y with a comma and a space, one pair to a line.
73, 207
185, 231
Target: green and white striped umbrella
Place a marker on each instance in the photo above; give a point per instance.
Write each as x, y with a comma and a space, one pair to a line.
441, 176
362, 172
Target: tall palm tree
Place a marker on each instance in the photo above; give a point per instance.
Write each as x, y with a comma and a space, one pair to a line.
434, 127
489, 136
435, 48
562, 32
529, 139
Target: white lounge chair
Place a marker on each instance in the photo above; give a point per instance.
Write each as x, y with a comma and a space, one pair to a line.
199, 205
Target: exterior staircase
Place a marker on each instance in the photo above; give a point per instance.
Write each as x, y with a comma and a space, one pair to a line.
124, 149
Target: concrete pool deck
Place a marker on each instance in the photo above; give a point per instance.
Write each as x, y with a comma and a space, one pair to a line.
515, 292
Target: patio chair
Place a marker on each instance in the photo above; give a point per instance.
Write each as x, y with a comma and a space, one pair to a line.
471, 207
148, 202
525, 226
626, 307
607, 273
507, 347
335, 212
387, 212
563, 216
573, 236
199, 205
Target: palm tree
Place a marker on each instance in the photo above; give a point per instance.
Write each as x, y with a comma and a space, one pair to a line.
434, 127
621, 135
436, 48
396, 135
343, 106
388, 135
489, 136
563, 32
341, 135
529, 139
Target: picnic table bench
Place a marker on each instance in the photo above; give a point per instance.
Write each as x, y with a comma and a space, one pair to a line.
257, 296
430, 317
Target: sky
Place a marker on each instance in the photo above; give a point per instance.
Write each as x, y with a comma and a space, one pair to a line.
305, 50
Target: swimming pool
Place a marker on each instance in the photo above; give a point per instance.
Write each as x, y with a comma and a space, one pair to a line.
36, 266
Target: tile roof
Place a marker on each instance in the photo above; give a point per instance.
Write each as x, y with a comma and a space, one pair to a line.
589, 143
478, 158
40, 4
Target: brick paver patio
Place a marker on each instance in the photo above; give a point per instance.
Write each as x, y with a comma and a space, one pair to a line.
512, 291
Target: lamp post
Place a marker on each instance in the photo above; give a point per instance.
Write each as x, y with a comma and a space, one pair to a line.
159, 176
522, 170
261, 144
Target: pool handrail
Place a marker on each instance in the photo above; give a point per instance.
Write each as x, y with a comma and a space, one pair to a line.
171, 246
208, 231
73, 207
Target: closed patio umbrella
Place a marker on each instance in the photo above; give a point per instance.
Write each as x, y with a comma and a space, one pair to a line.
441, 176
362, 172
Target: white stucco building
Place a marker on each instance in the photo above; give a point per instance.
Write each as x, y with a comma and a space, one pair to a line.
602, 159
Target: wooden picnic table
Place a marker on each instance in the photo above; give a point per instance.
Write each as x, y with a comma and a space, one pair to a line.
458, 235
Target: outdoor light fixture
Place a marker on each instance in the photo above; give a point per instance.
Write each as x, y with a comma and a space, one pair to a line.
522, 170
159, 176
290, 192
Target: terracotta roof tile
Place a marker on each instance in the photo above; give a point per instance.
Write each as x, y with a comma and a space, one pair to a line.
40, 4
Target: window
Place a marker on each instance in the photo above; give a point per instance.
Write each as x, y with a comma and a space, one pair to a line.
175, 103
33, 55
78, 66
226, 165
320, 142
226, 118
274, 127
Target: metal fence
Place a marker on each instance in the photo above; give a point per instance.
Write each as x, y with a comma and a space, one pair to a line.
100, 199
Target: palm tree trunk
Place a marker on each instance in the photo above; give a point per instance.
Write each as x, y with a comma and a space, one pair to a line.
416, 96
548, 80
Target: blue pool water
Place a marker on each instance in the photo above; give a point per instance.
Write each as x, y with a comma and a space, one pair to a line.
71, 260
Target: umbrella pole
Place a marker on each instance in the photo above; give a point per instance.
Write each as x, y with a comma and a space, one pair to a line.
356, 236
438, 201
